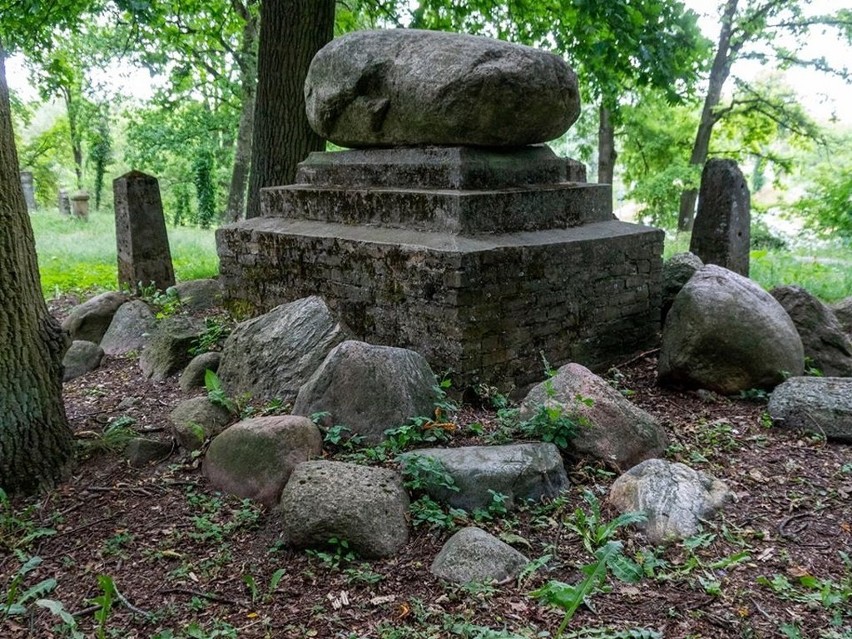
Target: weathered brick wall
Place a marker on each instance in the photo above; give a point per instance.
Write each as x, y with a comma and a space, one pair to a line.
484, 308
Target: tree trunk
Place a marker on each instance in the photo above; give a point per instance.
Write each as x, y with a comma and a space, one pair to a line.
36, 443
291, 32
606, 147
718, 75
242, 148
74, 131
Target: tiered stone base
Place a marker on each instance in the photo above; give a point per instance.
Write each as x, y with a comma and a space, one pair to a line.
482, 281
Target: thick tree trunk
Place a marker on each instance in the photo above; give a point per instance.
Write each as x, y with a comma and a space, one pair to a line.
606, 147
291, 32
36, 443
718, 75
242, 148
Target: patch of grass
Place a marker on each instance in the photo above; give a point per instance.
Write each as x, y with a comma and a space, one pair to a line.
77, 256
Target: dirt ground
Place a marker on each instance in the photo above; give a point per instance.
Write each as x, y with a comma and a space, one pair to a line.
188, 562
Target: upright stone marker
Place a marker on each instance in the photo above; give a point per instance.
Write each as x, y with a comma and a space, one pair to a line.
80, 205
29, 190
64, 202
140, 233
722, 230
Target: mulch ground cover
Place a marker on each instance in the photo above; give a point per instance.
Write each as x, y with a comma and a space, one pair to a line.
178, 559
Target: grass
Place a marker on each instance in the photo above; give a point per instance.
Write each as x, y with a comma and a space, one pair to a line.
823, 268
76, 256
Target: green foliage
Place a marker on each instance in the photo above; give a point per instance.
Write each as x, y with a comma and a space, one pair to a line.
18, 530
215, 331
104, 602
420, 472
339, 554
591, 527
216, 394
825, 207
16, 601
425, 511
205, 189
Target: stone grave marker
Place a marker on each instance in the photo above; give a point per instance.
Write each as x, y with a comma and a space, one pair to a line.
722, 230
64, 202
80, 205
29, 190
140, 233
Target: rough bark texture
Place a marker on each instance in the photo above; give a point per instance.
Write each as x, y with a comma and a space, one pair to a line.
606, 147
242, 150
719, 72
35, 439
291, 32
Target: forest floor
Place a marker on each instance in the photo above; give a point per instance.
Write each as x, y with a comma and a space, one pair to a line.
177, 560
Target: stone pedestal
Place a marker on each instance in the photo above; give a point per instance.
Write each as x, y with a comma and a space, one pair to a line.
482, 261
721, 234
29, 190
80, 205
144, 257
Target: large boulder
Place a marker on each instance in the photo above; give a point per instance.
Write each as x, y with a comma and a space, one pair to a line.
473, 555
254, 458
519, 472
726, 334
825, 343
843, 313
167, 350
274, 354
197, 419
674, 498
129, 329
369, 388
611, 428
817, 404
677, 270
90, 320
81, 358
364, 505
405, 87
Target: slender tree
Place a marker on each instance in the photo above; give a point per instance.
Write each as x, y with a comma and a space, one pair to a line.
291, 32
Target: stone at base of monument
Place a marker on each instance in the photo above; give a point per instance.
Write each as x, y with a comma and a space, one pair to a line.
574, 285
29, 190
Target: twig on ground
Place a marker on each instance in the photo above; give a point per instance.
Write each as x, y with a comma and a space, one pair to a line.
199, 593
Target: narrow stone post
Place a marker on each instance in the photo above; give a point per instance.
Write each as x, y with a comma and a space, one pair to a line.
64, 202
80, 205
722, 231
29, 190
144, 257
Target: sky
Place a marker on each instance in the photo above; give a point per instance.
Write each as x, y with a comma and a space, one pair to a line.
826, 98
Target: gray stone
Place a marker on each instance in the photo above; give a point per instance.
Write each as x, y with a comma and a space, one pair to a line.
197, 419
195, 372
199, 295
611, 428
81, 358
726, 334
843, 313
369, 389
29, 190
409, 87
473, 555
64, 203
674, 498
274, 354
816, 404
722, 231
676, 273
254, 458
520, 472
825, 343
91, 319
167, 350
141, 451
129, 329
80, 205
366, 506
144, 257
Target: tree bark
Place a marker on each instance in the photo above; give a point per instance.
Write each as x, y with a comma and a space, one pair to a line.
242, 148
606, 147
291, 32
36, 443
719, 73
74, 131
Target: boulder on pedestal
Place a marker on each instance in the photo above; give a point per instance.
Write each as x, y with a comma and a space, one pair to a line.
412, 87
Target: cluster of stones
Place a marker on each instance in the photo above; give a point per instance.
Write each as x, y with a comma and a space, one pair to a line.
449, 228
